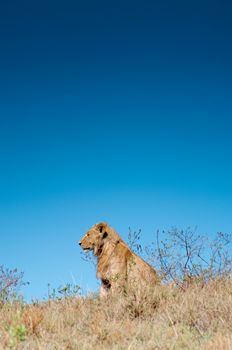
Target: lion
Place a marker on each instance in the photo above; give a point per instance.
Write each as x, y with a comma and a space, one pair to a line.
118, 266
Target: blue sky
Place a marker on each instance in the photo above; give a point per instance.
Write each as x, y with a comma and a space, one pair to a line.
118, 111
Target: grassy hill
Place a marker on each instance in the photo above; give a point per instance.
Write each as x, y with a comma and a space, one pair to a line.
199, 317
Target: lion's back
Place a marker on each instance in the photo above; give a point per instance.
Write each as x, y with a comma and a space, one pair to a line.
140, 271
136, 268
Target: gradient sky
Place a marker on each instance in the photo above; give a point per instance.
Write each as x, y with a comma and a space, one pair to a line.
110, 110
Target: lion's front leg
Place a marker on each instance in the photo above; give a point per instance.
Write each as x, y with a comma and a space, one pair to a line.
118, 283
103, 292
105, 288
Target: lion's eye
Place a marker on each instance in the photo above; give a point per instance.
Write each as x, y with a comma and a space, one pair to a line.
100, 229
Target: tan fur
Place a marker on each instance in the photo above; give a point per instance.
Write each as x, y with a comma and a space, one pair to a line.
117, 267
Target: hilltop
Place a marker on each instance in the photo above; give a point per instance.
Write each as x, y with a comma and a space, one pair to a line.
198, 317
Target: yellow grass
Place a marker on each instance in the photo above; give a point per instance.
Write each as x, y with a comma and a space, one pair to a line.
166, 318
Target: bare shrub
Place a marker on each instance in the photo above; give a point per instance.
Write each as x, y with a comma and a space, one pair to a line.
10, 283
180, 256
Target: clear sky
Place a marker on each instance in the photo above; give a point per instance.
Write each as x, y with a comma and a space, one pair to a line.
110, 110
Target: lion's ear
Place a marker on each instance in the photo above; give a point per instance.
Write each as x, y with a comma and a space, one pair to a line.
101, 227
105, 235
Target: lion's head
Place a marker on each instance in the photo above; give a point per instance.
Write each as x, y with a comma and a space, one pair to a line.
95, 238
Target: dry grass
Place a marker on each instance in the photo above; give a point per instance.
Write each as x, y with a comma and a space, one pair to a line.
167, 318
